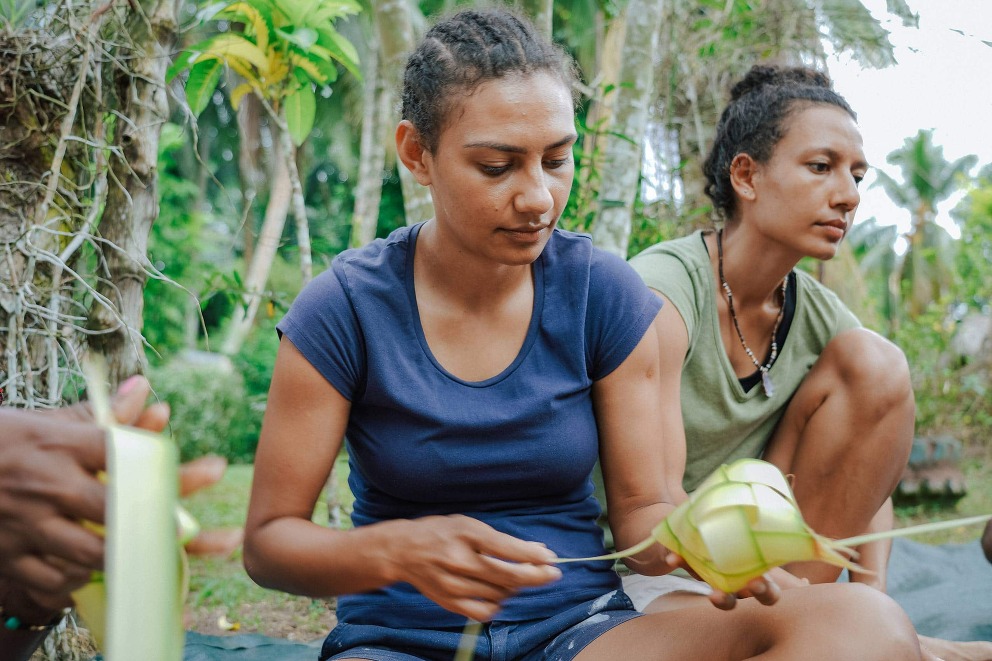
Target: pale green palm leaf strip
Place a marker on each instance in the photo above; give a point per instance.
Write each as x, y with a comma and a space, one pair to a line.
134, 607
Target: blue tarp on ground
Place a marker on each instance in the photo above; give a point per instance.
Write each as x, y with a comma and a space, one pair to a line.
947, 591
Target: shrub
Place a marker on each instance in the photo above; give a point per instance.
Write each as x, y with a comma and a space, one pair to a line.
210, 410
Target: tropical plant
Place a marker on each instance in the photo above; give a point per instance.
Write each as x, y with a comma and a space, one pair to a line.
285, 49
928, 179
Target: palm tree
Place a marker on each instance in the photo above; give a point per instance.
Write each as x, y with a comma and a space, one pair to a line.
928, 179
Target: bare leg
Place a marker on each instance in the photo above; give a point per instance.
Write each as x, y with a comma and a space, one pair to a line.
875, 556
846, 438
835, 622
987, 541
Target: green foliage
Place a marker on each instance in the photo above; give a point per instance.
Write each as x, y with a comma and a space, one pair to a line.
973, 261
209, 414
174, 250
14, 13
284, 49
255, 363
951, 396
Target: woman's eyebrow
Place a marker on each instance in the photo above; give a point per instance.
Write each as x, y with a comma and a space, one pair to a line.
514, 149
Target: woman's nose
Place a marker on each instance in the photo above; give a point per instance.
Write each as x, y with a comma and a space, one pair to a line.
534, 195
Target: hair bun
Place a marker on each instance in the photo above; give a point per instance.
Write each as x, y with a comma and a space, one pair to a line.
762, 76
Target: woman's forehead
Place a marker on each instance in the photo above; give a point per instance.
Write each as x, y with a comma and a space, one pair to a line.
822, 125
529, 107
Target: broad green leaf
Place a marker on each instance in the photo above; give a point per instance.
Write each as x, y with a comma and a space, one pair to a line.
331, 10
302, 37
203, 79
180, 64
260, 28
311, 67
228, 44
295, 10
340, 49
301, 109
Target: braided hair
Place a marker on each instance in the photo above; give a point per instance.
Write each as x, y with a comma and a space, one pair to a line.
755, 120
465, 50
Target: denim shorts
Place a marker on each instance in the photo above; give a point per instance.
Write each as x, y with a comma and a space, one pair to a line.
558, 638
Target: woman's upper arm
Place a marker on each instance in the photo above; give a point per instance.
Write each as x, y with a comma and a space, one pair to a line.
642, 443
302, 433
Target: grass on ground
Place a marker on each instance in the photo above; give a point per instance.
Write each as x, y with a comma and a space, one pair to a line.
221, 593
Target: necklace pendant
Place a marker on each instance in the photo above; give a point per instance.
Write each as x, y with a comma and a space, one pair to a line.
766, 383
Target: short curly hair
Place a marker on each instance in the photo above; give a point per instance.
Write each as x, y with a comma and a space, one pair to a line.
755, 120
467, 49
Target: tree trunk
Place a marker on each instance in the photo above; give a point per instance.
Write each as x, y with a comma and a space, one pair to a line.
622, 157
289, 153
131, 210
542, 13
41, 209
395, 24
377, 101
269, 237
600, 116
249, 166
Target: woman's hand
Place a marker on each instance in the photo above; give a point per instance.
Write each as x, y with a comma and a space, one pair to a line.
766, 589
48, 467
466, 566
49, 462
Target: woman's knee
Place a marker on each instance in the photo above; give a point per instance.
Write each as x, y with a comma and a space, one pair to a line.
871, 368
874, 625
883, 621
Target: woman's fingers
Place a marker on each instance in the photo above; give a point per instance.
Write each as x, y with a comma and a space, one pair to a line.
48, 575
155, 418
764, 589
220, 542
468, 567
128, 403
201, 473
70, 542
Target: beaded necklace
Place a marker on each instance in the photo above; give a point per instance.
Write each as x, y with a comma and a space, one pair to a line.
766, 379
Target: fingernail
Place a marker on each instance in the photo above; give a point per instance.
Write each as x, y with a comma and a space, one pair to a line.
758, 588
128, 385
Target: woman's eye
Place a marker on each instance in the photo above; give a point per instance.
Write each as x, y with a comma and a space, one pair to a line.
494, 170
858, 178
819, 167
554, 164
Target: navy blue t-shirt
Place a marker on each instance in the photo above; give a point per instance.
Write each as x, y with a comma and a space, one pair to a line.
515, 451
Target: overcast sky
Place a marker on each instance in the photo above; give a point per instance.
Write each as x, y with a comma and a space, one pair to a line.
943, 81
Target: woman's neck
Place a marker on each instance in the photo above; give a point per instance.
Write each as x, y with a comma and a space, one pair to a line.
458, 275
753, 266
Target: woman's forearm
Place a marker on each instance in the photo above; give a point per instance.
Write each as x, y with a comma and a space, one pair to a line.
300, 557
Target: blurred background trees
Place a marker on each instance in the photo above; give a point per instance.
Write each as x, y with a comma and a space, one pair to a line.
86, 96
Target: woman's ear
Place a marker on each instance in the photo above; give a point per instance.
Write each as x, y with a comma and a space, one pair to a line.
412, 153
743, 173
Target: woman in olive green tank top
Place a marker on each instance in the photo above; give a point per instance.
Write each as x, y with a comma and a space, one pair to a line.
771, 363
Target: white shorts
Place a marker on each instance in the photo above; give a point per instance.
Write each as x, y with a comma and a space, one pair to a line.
642, 590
